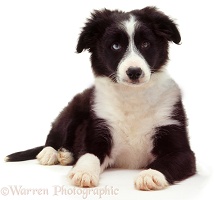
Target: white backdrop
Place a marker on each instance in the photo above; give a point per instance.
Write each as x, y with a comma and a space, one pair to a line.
40, 72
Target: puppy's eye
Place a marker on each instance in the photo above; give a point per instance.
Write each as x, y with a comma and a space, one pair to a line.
116, 47
145, 45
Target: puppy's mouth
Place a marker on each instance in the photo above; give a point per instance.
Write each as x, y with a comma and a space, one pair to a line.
137, 82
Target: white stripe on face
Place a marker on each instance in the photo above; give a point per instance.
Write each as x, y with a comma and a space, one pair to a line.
132, 57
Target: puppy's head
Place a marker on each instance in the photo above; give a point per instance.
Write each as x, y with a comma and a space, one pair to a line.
128, 47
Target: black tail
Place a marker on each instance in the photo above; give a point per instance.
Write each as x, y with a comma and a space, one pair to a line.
24, 155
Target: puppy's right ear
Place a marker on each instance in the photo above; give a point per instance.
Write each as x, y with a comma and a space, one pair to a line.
93, 30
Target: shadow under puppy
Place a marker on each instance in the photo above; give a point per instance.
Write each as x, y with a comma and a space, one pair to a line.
132, 117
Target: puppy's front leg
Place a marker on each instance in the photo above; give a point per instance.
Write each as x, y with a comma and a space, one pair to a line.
86, 171
151, 179
166, 170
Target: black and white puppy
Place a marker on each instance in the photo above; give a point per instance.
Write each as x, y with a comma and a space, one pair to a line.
132, 117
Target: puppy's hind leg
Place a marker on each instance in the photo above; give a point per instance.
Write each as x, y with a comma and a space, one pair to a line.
48, 156
65, 157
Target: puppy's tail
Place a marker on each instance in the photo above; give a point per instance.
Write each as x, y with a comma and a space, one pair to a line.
24, 155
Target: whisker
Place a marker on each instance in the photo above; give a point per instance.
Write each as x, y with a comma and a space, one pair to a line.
113, 77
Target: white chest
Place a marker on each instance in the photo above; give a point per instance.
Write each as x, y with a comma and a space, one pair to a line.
133, 114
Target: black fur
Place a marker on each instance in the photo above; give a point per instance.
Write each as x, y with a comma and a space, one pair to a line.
172, 149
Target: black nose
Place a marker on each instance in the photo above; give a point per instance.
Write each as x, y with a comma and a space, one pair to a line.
134, 73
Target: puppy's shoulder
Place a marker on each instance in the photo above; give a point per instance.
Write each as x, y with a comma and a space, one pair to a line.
78, 108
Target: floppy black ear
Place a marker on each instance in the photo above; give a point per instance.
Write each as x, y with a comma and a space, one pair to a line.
161, 24
93, 30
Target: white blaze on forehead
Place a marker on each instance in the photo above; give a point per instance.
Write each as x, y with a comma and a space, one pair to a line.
132, 57
130, 25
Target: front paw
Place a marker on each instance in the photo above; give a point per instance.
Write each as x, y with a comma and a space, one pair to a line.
84, 178
151, 180
86, 171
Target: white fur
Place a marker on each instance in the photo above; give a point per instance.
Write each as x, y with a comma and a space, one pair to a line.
48, 156
133, 57
6, 159
151, 180
86, 171
133, 113
64, 156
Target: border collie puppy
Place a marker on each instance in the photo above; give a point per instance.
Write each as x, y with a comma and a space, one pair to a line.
132, 117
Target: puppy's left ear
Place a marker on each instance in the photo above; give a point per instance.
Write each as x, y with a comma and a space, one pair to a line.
161, 24
93, 30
